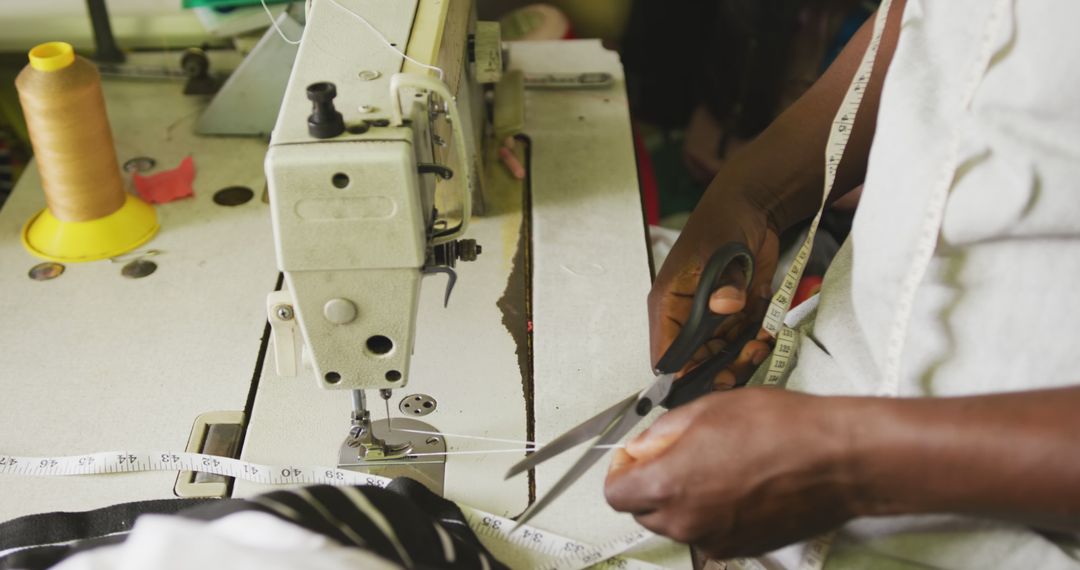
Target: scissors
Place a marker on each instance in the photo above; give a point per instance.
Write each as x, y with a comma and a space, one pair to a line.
610, 425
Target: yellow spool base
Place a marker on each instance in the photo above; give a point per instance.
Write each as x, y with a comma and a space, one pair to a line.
121, 231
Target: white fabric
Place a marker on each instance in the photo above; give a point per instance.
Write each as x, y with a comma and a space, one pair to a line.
991, 312
243, 541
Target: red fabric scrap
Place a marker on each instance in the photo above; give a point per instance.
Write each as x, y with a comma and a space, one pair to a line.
167, 185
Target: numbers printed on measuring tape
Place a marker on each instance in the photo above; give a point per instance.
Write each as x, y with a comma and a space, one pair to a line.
532, 535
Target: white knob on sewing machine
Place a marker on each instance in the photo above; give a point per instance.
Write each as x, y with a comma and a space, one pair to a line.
340, 311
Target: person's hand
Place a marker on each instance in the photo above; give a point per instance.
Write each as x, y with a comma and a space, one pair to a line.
739, 473
719, 219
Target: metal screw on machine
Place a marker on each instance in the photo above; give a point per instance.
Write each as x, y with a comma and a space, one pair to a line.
284, 312
325, 121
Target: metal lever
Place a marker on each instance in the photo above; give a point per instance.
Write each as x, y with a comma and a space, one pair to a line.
451, 279
436, 169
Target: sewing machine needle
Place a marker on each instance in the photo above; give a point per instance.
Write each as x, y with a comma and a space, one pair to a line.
385, 393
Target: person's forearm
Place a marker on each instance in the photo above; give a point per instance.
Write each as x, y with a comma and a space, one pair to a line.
782, 170
1013, 457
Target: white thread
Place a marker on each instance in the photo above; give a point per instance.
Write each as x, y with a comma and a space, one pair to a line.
273, 23
386, 42
445, 434
467, 452
483, 451
530, 444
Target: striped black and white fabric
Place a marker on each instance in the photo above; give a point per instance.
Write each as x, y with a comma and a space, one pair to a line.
401, 526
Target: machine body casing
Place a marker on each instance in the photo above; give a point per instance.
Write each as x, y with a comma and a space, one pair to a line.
352, 215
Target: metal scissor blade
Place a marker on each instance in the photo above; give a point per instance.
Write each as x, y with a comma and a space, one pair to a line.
583, 432
614, 432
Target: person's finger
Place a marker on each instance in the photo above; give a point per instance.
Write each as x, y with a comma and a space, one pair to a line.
731, 297
727, 300
724, 380
668, 314
735, 334
636, 487
666, 430
759, 293
620, 460
657, 521
665, 329
750, 357
716, 345
742, 368
732, 326
636, 481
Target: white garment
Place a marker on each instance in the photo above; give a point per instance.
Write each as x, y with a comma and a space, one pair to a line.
245, 540
988, 316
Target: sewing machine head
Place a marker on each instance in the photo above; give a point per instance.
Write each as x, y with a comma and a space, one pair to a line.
372, 179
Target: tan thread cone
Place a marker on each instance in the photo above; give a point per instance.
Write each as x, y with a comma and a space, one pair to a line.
73, 145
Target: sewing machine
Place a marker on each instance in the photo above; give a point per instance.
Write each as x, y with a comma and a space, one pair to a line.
546, 320
361, 197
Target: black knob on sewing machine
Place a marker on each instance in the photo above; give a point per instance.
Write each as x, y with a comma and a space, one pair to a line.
324, 121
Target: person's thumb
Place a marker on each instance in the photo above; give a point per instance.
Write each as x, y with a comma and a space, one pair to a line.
727, 300
667, 429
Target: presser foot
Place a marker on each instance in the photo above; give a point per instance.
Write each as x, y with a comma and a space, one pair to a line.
377, 450
371, 448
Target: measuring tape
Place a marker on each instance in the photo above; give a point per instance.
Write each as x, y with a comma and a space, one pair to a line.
527, 547
784, 353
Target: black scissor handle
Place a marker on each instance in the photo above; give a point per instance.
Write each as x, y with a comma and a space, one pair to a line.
701, 323
699, 381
